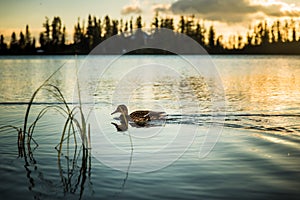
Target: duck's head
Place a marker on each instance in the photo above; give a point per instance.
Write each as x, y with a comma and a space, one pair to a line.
122, 109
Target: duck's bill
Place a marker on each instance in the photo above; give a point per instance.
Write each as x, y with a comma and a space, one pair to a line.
114, 112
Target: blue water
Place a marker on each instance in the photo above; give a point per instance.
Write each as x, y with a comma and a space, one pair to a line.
249, 126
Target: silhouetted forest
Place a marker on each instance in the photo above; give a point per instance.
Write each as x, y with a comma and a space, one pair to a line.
281, 37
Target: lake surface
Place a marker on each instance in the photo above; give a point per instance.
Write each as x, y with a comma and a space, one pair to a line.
232, 130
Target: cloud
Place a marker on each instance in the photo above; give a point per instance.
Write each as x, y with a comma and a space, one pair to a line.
280, 9
131, 9
161, 7
216, 10
234, 11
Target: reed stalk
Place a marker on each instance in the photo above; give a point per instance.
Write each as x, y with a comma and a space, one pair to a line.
71, 125
30, 104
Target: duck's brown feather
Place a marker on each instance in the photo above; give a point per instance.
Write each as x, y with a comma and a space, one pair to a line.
140, 116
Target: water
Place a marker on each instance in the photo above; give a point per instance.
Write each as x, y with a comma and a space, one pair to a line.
251, 129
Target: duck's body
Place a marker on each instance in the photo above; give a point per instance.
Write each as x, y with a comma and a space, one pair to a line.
140, 117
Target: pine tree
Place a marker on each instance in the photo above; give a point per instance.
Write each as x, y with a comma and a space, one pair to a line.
3, 45
211, 37
139, 22
14, 42
182, 25
22, 41
108, 29
28, 43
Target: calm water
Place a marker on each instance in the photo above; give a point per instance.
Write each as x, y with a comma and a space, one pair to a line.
245, 114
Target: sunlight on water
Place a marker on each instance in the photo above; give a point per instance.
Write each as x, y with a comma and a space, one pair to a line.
277, 140
266, 86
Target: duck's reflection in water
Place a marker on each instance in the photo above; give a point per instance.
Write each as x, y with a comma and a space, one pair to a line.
123, 126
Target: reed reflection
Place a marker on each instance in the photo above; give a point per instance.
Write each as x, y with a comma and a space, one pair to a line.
75, 171
73, 164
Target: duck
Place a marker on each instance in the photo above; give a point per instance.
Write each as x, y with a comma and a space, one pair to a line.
139, 117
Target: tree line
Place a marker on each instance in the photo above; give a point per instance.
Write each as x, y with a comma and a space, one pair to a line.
280, 37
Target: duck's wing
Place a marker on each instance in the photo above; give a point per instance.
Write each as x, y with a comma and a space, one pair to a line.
156, 115
143, 116
139, 114
140, 117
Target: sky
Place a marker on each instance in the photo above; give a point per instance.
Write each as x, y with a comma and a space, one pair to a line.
228, 16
